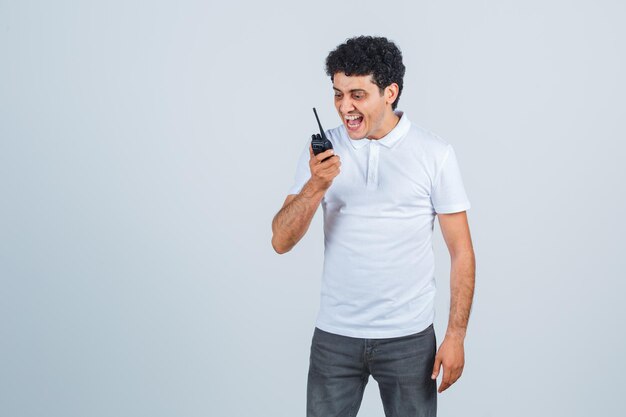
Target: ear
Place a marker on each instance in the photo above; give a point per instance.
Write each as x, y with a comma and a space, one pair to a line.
391, 93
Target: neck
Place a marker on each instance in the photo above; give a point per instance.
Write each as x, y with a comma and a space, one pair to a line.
390, 121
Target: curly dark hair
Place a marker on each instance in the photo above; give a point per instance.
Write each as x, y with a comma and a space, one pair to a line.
365, 55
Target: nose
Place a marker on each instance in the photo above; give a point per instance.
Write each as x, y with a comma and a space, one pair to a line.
345, 105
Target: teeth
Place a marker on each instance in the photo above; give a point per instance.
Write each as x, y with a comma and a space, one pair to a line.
352, 117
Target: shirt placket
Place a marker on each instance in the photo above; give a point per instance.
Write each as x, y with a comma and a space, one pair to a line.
372, 165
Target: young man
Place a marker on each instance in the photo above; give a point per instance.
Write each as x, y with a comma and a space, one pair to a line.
380, 191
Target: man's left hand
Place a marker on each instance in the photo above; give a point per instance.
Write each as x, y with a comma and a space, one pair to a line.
451, 355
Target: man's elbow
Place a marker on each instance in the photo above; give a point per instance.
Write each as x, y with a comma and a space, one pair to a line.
279, 247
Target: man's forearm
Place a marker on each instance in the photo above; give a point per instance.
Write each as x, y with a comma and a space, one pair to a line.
462, 277
293, 220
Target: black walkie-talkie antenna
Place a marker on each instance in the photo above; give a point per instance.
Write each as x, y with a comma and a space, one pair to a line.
320, 125
320, 143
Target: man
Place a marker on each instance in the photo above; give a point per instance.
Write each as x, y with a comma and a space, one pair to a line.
386, 181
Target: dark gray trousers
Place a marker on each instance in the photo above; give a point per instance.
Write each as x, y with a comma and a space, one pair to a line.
340, 366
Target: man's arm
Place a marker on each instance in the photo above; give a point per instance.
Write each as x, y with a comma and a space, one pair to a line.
451, 354
294, 218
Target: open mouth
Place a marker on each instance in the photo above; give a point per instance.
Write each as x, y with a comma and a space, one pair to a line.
353, 122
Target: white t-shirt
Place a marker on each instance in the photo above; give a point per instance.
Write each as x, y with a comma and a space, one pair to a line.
379, 271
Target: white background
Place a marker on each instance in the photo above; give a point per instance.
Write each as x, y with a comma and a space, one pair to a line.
146, 146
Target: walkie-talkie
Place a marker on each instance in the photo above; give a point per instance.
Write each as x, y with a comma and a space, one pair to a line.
320, 143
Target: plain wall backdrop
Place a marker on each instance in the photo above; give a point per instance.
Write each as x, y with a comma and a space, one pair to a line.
145, 147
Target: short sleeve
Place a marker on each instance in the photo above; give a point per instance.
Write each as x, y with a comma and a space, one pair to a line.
448, 193
303, 172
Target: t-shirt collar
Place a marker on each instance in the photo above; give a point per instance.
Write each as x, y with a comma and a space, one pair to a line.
391, 138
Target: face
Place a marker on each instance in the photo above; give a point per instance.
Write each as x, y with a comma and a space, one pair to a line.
365, 112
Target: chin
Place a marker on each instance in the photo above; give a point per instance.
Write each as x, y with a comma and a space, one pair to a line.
356, 135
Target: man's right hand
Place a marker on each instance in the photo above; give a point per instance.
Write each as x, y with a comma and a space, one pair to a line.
323, 173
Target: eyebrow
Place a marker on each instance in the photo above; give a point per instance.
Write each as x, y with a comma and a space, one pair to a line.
351, 91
